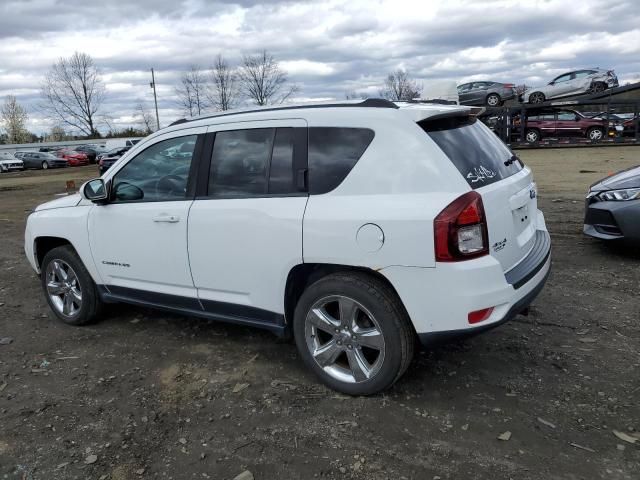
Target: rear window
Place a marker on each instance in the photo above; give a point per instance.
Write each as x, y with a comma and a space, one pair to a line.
478, 154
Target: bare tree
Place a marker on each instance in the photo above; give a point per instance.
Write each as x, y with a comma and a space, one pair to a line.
14, 118
144, 118
263, 81
224, 93
73, 92
399, 86
192, 91
57, 134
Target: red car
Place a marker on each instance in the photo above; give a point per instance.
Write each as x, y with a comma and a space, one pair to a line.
563, 123
73, 158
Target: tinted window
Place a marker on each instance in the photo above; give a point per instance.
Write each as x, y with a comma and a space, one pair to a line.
281, 172
240, 162
477, 153
566, 116
563, 78
333, 152
158, 173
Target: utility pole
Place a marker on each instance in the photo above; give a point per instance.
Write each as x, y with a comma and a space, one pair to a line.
155, 99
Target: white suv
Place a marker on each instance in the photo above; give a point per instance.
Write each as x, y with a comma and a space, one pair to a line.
359, 228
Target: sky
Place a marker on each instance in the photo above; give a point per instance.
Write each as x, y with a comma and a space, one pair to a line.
328, 47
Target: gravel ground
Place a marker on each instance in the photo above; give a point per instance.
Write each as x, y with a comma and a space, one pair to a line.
145, 394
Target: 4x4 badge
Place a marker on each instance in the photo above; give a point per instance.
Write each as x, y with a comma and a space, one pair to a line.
499, 245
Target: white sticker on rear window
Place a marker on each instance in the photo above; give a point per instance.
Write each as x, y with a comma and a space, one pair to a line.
480, 174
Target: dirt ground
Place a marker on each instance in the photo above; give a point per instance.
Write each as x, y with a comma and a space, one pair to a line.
145, 394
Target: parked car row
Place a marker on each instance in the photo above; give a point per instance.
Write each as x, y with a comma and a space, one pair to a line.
576, 82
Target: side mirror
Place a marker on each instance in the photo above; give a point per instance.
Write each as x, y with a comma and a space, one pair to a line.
577, 118
95, 190
128, 192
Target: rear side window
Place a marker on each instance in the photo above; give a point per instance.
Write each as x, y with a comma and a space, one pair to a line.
240, 162
333, 152
478, 154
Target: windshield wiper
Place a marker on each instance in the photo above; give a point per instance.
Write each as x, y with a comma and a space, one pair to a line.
511, 160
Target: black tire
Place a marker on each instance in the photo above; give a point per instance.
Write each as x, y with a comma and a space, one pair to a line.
91, 305
532, 135
537, 97
598, 87
45, 165
383, 303
493, 100
596, 134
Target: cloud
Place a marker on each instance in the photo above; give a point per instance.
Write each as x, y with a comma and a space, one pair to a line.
328, 47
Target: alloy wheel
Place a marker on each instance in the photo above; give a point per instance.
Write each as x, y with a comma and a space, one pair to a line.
536, 97
63, 288
532, 136
595, 134
493, 100
45, 165
344, 339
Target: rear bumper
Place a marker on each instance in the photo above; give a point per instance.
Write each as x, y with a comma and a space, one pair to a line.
439, 300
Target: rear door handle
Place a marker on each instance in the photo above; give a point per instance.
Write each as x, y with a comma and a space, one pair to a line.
166, 219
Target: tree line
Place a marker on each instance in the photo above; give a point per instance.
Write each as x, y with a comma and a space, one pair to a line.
73, 94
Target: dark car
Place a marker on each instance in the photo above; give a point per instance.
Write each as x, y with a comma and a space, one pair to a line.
613, 207
43, 160
75, 159
105, 160
90, 151
492, 94
562, 123
50, 149
629, 126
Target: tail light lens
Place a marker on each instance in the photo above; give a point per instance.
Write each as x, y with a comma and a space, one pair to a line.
509, 85
460, 230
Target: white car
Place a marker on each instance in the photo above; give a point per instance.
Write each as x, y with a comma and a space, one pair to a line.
578, 82
9, 163
357, 227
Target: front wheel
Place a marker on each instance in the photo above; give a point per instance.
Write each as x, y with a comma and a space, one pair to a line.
354, 333
70, 291
45, 165
595, 134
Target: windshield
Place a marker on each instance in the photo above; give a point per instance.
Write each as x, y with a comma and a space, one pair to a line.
478, 154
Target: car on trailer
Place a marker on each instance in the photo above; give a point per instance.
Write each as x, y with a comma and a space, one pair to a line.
577, 82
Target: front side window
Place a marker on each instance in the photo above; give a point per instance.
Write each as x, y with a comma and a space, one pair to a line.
563, 78
333, 152
158, 173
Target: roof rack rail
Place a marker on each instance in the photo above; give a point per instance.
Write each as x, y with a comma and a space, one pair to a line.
369, 103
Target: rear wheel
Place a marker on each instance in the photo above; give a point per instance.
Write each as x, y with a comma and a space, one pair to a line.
45, 165
70, 291
597, 87
493, 100
353, 332
532, 136
536, 97
595, 134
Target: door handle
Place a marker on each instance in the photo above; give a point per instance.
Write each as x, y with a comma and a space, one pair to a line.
166, 219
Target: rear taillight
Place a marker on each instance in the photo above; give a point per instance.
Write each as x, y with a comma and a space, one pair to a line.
460, 230
509, 85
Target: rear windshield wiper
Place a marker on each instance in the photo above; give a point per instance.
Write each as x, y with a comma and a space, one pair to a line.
511, 160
